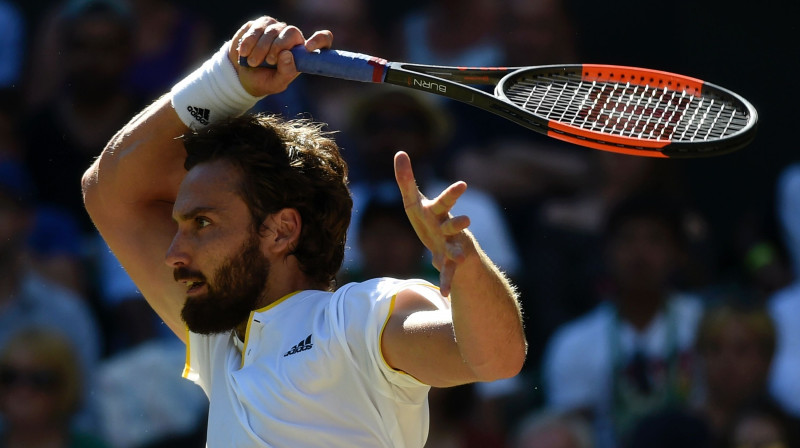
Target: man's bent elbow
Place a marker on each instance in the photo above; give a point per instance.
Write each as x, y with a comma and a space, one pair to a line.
89, 187
514, 360
507, 363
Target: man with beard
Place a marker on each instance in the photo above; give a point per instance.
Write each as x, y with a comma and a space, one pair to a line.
251, 213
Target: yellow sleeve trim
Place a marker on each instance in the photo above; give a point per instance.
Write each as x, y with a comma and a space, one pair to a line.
187, 367
383, 328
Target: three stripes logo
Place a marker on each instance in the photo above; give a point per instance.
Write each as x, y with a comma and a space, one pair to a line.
301, 346
199, 114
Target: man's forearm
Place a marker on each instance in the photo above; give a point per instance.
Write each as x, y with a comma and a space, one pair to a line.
486, 316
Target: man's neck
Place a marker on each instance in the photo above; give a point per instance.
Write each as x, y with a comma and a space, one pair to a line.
241, 331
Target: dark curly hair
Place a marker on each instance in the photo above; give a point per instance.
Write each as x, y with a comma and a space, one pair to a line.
285, 164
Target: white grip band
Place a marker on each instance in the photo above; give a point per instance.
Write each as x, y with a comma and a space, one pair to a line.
211, 93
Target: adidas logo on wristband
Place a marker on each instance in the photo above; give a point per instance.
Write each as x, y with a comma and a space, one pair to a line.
199, 114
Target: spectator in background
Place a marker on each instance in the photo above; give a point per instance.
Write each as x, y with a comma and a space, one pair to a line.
27, 298
40, 391
784, 306
95, 41
631, 355
564, 241
735, 345
391, 120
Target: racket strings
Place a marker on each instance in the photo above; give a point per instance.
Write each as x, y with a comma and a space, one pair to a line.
625, 109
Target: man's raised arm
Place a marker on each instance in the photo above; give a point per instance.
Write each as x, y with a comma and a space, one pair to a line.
480, 338
130, 189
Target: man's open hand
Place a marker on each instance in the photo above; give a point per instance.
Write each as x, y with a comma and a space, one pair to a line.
438, 230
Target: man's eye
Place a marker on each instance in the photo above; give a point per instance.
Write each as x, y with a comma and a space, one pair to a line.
202, 221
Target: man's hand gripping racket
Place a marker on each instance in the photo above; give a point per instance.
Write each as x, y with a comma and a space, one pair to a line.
626, 110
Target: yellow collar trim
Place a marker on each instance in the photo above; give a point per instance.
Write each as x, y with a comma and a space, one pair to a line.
250, 320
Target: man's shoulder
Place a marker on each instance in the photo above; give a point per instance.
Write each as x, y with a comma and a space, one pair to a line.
379, 288
371, 301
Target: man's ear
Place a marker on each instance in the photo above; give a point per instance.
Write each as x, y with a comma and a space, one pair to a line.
285, 226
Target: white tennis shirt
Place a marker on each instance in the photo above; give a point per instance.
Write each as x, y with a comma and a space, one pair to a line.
310, 373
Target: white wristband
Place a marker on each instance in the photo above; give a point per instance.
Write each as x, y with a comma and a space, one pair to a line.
211, 93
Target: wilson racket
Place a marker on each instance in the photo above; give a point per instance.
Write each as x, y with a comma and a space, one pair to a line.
620, 109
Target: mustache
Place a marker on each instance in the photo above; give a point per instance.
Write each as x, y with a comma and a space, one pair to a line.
184, 273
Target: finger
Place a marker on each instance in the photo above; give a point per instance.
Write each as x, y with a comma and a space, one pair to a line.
248, 40
235, 49
289, 37
454, 252
262, 49
237, 38
447, 199
446, 277
455, 225
320, 39
404, 175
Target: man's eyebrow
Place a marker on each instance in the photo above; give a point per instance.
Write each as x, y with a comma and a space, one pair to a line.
192, 213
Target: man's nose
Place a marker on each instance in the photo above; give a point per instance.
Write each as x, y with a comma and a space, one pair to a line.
178, 252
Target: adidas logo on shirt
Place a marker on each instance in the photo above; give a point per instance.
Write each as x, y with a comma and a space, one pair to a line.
199, 114
300, 347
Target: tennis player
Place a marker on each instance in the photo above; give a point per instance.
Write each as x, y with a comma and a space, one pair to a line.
234, 233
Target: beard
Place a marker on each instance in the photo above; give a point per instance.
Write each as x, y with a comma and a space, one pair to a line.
235, 291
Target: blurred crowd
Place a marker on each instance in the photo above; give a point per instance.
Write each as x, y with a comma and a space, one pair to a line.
655, 317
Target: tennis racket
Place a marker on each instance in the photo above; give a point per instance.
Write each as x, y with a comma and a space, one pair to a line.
627, 110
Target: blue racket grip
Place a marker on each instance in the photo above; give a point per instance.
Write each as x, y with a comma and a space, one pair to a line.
336, 64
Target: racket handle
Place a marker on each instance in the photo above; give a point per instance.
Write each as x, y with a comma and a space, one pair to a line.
335, 64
